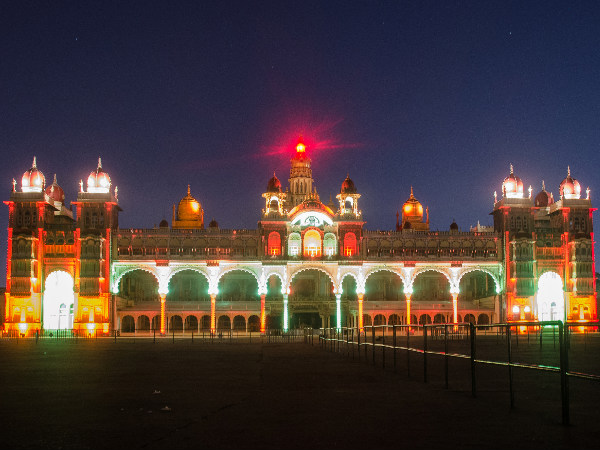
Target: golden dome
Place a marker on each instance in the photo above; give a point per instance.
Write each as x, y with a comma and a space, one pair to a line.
189, 208
412, 207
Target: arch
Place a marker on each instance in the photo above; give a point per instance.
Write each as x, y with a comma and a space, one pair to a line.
550, 297
386, 269
254, 323
312, 245
175, 323
432, 288
379, 319
294, 244
431, 269
394, 319
126, 270
388, 287
274, 244
190, 323
138, 285
176, 270
350, 248
156, 322
127, 324
242, 289
483, 319
469, 318
348, 287
205, 322
481, 269
243, 269
424, 319
58, 301
273, 289
311, 267
239, 323
367, 320
143, 323
439, 318
329, 244
184, 286
224, 323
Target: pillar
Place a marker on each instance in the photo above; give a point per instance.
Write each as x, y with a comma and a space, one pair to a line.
338, 311
407, 308
213, 307
360, 311
285, 312
263, 317
455, 307
163, 299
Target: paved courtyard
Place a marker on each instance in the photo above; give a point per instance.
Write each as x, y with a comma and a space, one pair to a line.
137, 394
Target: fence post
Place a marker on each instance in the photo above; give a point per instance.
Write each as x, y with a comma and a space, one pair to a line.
115, 331
510, 370
394, 344
564, 367
358, 342
173, 336
383, 347
408, 351
446, 354
425, 353
154, 340
541, 334
473, 332
373, 338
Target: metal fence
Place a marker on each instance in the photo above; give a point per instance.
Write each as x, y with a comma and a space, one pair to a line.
372, 343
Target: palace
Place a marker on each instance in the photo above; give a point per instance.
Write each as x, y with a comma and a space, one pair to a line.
307, 264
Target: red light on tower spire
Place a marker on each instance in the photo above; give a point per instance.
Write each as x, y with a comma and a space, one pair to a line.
300, 148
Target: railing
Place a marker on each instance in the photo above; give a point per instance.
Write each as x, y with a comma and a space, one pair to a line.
416, 339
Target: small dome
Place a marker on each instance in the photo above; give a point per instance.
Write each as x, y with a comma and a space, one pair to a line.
33, 180
274, 185
98, 181
213, 224
543, 198
55, 193
163, 224
453, 226
570, 187
512, 187
412, 207
189, 208
348, 186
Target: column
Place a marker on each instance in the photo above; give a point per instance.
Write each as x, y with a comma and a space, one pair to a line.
407, 308
163, 299
263, 317
360, 311
338, 311
285, 312
213, 307
455, 307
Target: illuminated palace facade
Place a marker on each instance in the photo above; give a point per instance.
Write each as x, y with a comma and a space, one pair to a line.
307, 264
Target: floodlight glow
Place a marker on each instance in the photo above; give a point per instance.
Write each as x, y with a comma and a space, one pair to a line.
516, 309
527, 309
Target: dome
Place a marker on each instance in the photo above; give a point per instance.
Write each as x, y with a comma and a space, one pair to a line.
163, 224
189, 208
274, 185
348, 186
412, 207
33, 180
453, 226
98, 181
570, 187
213, 224
55, 193
544, 198
512, 187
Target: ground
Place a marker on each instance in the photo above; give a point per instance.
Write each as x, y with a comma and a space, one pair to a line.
134, 393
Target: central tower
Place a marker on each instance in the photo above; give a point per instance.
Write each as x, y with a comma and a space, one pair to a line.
301, 180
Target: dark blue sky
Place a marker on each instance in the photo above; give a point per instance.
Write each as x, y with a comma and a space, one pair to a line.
440, 95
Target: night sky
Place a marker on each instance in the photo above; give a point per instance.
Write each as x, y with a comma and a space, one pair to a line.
440, 95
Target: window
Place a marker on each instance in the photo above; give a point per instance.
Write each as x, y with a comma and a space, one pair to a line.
274, 244
350, 244
294, 242
312, 244
329, 244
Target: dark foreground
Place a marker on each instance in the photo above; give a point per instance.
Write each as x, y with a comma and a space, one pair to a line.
101, 394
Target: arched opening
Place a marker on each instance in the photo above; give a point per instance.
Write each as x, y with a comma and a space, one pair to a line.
156, 323
384, 286
424, 319
350, 244
469, 318
274, 289
127, 324
439, 318
191, 323
312, 244
550, 297
205, 323
239, 323
431, 286
294, 244
394, 320
329, 244
309, 289
379, 319
477, 290
274, 244
253, 323
238, 286
483, 319
138, 286
367, 320
175, 323
349, 289
143, 323
224, 323
58, 301
188, 286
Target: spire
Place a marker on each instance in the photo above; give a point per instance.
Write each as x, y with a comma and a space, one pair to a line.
568, 171
411, 192
34, 163
54, 182
511, 169
99, 163
189, 191
543, 186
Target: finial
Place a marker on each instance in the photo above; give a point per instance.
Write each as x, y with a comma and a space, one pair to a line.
530, 190
14, 185
587, 191
189, 190
54, 182
274, 174
411, 191
117, 192
495, 197
34, 166
543, 186
80, 185
511, 169
99, 163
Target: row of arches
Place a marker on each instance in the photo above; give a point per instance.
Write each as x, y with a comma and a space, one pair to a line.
424, 319
312, 243
179, 323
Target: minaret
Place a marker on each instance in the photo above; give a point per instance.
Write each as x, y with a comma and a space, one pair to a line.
301, 180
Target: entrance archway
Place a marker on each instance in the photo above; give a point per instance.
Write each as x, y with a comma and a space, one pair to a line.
550, 297
58, 301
